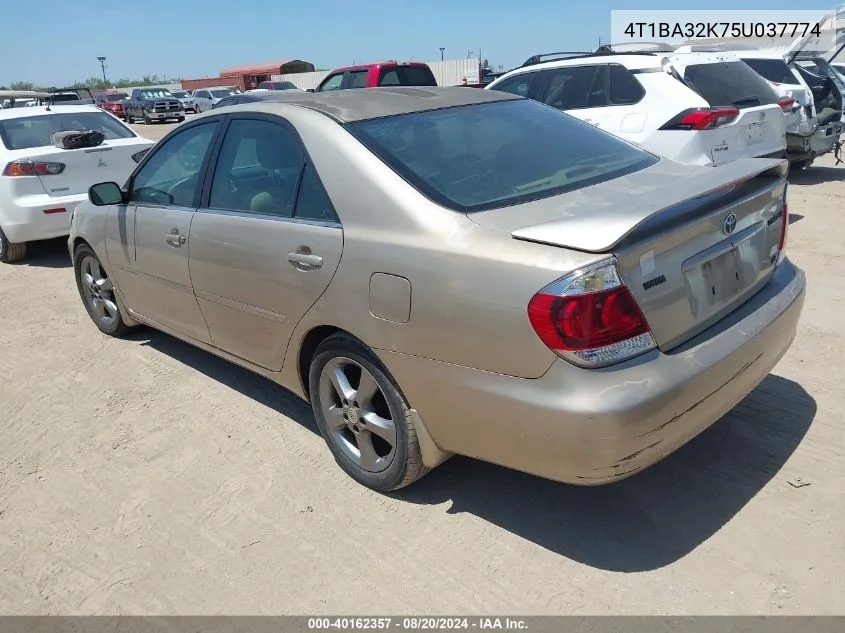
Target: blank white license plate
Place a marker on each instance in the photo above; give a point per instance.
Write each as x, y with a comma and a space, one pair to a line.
722, 276
755, 133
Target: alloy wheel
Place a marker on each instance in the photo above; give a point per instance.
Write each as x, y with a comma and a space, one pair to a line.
357, 415
98, 292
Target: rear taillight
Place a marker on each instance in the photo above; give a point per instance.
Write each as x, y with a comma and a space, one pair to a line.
30, 168
786, 104
701, 119
590, 318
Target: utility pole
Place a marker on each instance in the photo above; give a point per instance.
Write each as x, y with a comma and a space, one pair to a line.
102, 61
442, 48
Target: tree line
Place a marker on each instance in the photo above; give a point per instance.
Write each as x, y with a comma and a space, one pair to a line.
93, 83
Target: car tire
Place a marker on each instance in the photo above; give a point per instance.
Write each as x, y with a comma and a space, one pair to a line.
359, 427
96, 289
147, 120
11, 252
180, 119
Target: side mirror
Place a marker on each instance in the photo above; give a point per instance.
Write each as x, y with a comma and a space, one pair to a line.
105, 194
310, 90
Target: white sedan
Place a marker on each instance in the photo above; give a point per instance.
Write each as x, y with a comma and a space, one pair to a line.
41, 182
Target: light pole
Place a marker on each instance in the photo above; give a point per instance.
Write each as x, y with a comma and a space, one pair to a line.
102, 61
442, 48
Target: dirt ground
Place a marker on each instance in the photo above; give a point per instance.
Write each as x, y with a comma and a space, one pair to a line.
143, 476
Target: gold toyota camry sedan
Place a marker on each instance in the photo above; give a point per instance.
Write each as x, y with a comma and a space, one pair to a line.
451, 270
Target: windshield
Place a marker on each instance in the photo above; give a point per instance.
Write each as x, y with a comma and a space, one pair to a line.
156, 94
180, 94
477, 157
730, 84
774, 70
35, 131
224, 92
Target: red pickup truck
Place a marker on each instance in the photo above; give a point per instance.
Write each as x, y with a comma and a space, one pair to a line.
111, 101
374, 75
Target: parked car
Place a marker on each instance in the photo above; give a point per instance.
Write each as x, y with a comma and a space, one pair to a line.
205, 98
111, 101
700, 108
41, 182
277, 85
186, 99
806, 139
153, 104
443, 270
375, 75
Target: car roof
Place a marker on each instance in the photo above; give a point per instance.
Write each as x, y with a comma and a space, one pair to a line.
633, 61
390, 64
348, 106
16, 113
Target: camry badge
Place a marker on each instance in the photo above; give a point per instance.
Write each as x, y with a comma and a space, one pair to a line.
102, 163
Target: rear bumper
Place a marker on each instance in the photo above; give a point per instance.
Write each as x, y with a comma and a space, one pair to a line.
25, 220
597, 426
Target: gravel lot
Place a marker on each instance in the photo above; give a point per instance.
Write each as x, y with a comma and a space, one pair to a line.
145, 476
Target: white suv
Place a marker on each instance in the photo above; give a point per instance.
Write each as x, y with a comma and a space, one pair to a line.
696, 108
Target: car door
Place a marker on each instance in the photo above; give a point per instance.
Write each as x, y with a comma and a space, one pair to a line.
148, 238
265, 242
577, 90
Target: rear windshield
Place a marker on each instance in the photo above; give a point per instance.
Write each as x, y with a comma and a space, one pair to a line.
35, 131
181, 94
477, 157
407, 76
775, 70
730, 84
224, 92
283, 85
68, 96
112, 98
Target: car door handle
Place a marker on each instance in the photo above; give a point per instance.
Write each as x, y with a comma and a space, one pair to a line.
176, 240
305, 261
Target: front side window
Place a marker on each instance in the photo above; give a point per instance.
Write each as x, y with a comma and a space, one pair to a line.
332, 83
575, 87
171, 175
258, 169
35, 131
516, 85
472, 158
156, 94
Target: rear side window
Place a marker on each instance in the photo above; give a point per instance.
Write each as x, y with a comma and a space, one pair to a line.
575, 87
358, 79
517, 85
407, 76
774, 70
35, 131
472, 158
624, 87
730, 84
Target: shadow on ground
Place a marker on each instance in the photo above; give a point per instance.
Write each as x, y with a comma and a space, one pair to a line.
816, 175
47, 254
640, 524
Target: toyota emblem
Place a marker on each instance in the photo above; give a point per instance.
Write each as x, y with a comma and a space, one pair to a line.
729, 225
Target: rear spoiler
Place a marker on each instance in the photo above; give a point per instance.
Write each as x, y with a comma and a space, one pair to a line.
649, 216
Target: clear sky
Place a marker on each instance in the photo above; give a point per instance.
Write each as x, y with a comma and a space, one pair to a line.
52, 42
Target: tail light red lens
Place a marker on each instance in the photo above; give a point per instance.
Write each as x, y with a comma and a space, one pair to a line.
786, 104
590, 318
701, 119
29, 168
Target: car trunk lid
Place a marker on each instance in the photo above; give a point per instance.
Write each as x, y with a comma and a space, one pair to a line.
690, 253
110, 161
